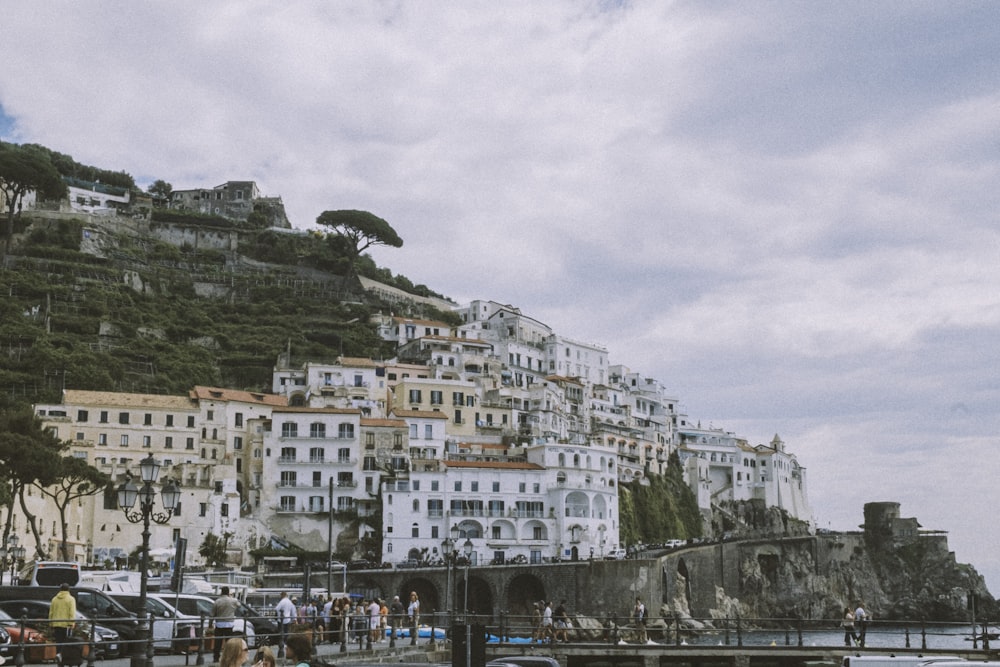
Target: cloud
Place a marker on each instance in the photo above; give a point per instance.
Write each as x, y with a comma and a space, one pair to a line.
785, 212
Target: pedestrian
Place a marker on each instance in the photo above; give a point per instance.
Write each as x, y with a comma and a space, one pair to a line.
639, 614
561, 623
265, 658
285, 611
547, 623
848, 624
383, 619
536, 622
298, 649
223, 618
396, 616
413, 610
374, 613
861, 619
62, 617
234, 652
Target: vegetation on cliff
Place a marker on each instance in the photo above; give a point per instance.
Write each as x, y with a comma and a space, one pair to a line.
663, 509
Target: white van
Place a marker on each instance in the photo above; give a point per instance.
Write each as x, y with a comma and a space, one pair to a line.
49, 573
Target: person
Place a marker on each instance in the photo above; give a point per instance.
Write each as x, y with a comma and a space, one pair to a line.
861, 618
395, 616
265, 658
547, 623
639, 614
383, 619
285, 611
323, 625
536, 622
561, 623
848, 624
374, 612
223, 618
62, 617
414, 611
234, 652
298, 649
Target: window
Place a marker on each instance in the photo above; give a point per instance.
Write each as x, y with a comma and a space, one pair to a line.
147, 419
415, 530
496, 507
344, 455
345, 431
434, 485
496, 534
102, 438
397, 439
415, 396
496, 487
536, 488
147, 441
124, 442
522, 487
79, 435
289, 430
190, 421
224, 509
104, 417
428, 432
458, 416
287, 455
81, 415
317, 478
369, 441
170, 420
457, 398
189, 443
458, 485
238, 442
317, 430
168, 442
437, 397
316, 455
315, 503
288, 478
287, 504
202, 509
239, 419
474, 487
413, 431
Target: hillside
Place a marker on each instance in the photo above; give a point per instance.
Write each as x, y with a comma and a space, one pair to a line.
94, 304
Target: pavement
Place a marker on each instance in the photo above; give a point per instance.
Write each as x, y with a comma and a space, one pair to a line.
380, 652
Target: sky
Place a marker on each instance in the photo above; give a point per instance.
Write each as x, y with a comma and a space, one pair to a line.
786, 212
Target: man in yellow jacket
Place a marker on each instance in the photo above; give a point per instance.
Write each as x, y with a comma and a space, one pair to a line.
62, 615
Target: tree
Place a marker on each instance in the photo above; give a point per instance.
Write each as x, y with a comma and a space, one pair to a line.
75, 479
29, 455
24, 169
213, 549
161, 191
356, 231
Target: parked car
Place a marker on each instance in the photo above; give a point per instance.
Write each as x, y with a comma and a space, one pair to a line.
96, 604
37, 647
106, 641
6, 648
172, 632
195, 606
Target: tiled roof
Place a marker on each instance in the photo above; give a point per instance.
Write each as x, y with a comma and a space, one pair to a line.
127, 400
502, 465
236, 395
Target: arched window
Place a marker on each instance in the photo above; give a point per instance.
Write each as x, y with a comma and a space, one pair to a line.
416, 504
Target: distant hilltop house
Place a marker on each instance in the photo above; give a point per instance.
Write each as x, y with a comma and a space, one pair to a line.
234, 200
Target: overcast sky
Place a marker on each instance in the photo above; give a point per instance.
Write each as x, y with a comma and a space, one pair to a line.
784, 211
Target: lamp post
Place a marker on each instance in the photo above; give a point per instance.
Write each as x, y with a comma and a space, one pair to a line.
15, 553
467, 548
128, 493
449, 560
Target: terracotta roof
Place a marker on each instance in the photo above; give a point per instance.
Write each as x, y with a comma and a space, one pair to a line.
503, 465
357, 362
122, 399
455, 339
236, 395
410, 320
301, 409
395, 423
419, 414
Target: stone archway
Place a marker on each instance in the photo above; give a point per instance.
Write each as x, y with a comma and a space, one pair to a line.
427, 593
480, 596
523, 591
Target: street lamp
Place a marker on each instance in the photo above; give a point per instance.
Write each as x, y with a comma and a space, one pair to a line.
128, 493
14, 552
467, 548
449, 559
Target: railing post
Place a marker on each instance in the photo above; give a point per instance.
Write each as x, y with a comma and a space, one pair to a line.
93, 645
739, 632
788, 637
907, 637
986, 636
677, 630
200, 659
345, 627
19, 658
728, 640
923, 636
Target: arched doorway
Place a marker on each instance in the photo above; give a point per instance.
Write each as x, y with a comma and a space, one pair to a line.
427, 593
523, 592
480, 596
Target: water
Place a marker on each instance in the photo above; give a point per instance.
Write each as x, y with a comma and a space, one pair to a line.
937, 636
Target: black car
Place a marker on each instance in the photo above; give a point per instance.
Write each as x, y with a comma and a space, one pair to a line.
6, 648
107, 642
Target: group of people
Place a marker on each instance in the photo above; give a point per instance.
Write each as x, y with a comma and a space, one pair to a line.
856, 620
337, 620
550, 626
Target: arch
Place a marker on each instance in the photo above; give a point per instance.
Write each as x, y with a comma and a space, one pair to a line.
528, 531
470, 528
297, 400
523, 592
577, 505
427, 593
480, 595
507, 530
600, 507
